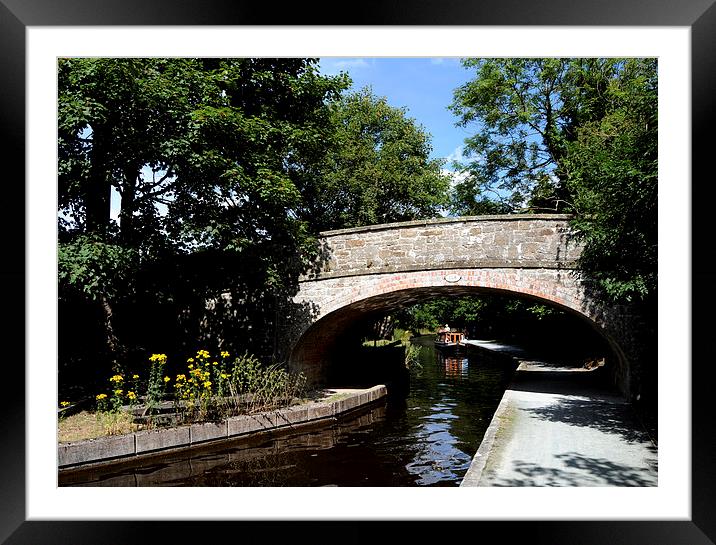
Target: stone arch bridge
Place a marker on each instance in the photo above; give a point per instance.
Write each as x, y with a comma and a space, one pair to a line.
371, 270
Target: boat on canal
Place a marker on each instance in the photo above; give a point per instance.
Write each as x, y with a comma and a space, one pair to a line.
449, 340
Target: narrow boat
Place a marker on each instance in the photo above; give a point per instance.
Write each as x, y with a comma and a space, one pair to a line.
449, 340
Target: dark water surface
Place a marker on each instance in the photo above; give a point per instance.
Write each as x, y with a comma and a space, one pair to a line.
425, 437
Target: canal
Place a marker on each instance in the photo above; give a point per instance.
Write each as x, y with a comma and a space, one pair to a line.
425, 436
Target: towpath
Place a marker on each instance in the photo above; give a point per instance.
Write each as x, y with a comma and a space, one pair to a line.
560, 425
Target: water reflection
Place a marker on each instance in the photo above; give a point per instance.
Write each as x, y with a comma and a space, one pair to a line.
456, 366
425, 437
256, 464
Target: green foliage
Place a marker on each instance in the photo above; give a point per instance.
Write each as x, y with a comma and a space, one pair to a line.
114, 117
211, 388
521, 121
613, 176
211, 159
468, 199
93, 268
412, 356
378, 169
155, 384
471, 312
457, 312
569, 135
256, 150
221, 388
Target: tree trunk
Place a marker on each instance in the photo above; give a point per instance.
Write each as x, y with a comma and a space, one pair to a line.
126, 215
99, 188
110, 338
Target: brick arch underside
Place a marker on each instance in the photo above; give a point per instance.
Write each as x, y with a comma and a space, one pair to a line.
343, 301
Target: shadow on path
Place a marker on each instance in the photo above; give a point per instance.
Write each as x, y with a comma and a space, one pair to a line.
583, 471
560, 424
609, 417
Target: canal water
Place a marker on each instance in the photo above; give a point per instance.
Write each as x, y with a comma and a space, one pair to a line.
426, 436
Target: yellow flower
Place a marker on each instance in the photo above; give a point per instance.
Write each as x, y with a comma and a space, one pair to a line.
214, 363
64, 403
99, 397
135, 377
161, 358
202, 354
191, 366
207, 384
116, 378
131, 395
224, 354
224, 375
181, 377
166, 379
118, 392
190, 360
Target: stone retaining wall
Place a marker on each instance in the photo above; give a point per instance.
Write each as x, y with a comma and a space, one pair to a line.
121, 447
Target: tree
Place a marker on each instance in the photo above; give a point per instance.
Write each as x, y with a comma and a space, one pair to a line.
612, 175
209, 157
570, 135
526, 111
240, 209
378, 169
254, 154
484, 314
116, 117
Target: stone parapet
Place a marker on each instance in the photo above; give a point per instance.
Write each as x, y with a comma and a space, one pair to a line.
506, 241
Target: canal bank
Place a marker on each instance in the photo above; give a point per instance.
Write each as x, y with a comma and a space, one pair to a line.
561, 425
121, 448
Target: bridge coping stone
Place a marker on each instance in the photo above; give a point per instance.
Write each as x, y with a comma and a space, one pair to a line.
436, 221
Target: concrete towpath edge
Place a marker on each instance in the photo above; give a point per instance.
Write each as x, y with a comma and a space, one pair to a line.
479, 460
477, 466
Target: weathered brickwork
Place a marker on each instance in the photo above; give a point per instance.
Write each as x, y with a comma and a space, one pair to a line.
379, 268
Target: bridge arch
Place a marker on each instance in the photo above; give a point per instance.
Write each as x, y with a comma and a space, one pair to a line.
372, 269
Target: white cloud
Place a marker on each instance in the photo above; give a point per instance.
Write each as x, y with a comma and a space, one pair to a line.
455, 177
456, 155
332, 66
356, 63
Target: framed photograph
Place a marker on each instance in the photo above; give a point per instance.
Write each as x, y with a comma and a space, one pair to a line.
34, 34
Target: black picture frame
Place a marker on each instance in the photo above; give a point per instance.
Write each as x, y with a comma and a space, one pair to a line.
698, 15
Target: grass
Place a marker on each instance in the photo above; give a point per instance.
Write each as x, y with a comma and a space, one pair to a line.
379, 342
87, 425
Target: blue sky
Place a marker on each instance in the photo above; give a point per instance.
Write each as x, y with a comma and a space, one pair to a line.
424, 86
